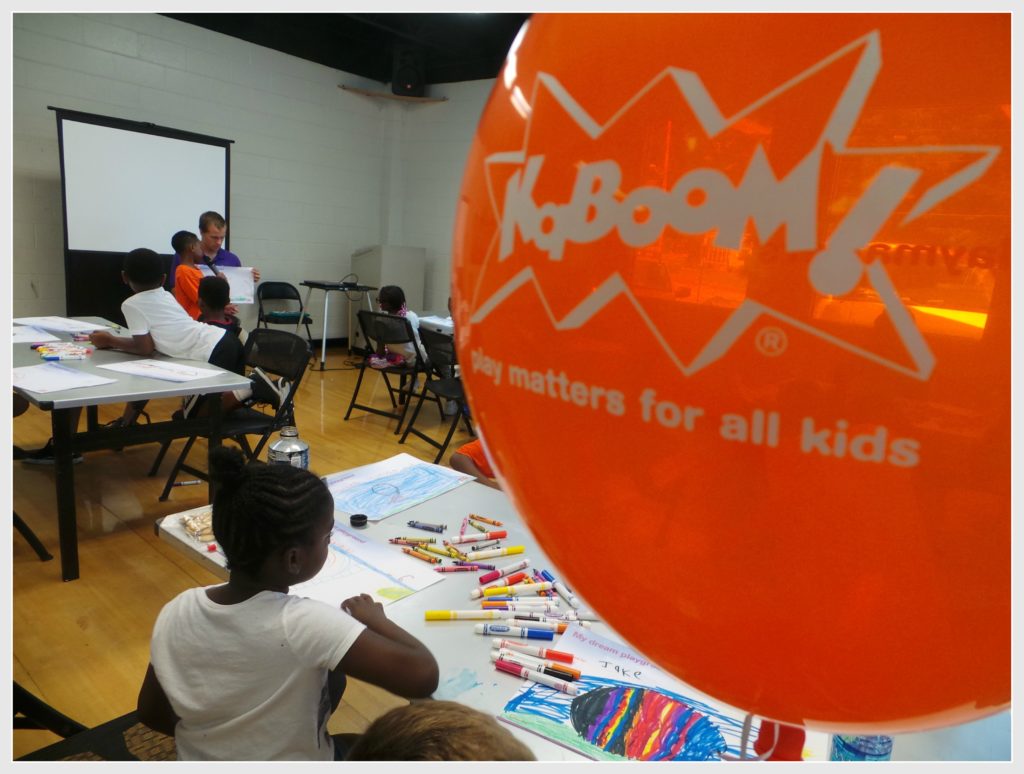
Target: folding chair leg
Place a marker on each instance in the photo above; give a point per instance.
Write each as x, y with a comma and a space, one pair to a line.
159, 458
177, 467
355, 392
32, 538
412, 420
38, 714
448, 438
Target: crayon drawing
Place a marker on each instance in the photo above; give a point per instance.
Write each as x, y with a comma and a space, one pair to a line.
626, 709
385, 488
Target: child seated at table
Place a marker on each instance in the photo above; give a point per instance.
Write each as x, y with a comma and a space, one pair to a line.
214, 296
437, 731
391, 299
471, 458
246, 671
157, 323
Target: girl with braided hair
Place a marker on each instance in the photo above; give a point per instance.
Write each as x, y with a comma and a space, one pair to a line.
245, 671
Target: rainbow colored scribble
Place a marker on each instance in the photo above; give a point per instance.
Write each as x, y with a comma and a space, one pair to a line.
644, 725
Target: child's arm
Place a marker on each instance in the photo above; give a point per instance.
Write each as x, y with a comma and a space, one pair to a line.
154, 708
386, 655
135, 345
464, 464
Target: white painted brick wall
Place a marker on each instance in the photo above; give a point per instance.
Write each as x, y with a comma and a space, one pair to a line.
314, 173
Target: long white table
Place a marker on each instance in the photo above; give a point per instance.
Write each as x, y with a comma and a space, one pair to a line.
466, 673
125, 388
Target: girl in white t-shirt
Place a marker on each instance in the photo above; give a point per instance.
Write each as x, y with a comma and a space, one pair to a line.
245, 671
391, 299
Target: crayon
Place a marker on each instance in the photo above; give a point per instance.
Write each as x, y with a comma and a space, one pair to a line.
420, 555
429, 527
485, 520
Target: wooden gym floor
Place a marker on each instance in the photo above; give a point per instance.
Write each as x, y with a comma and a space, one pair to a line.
83, 646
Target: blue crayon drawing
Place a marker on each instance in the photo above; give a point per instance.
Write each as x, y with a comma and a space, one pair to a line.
396, 491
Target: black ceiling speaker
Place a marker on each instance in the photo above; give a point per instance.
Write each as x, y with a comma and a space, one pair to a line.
408, 73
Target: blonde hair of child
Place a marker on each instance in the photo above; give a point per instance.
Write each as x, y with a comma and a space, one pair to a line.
437, 731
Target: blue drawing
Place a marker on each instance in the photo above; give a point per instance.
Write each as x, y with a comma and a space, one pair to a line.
396, 491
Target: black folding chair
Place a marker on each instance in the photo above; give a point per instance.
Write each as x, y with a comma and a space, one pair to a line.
447, 385
286, 294
278, 354
389, 330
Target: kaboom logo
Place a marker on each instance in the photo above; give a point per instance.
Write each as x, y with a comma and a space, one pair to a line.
704, 199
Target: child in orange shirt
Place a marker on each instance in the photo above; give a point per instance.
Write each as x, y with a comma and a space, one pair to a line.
472, 459
188, 274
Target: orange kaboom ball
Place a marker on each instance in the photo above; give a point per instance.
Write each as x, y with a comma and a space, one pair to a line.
733, 302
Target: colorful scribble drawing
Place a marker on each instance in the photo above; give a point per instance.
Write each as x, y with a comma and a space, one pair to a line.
613, 720
396, 491
644, 725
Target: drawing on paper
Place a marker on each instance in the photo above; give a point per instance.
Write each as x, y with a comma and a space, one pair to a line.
614, 721
626, 709
395, 491
644, 725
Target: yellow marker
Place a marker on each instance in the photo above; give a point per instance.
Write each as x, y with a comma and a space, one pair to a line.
466, 615
488, 553
519, 588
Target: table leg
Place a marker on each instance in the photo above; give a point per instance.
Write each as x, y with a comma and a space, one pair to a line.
323, 337
216, 404
64, 470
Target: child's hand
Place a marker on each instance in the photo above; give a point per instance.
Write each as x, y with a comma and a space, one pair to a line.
101, 339
364, 609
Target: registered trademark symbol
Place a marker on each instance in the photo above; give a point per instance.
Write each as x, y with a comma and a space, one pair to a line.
771, 341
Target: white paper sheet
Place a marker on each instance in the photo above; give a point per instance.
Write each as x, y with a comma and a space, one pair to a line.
240, 280
30, 334
54, 377
355, 565
161, 369
62, 324
383, 488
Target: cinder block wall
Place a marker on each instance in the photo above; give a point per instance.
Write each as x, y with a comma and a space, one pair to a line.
317, 172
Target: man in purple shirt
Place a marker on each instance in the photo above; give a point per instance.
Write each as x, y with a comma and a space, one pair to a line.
212, 228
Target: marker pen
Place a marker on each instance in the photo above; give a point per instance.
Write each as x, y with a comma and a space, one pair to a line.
531, 664
514, 631
501, 572
583, 616
521, 588
533, 650
483, 545
551, 682
496, 535
509, 581
193, 482
465, 615
526, 660
551, 610
551, 626
64, 357
490, 553
485, 520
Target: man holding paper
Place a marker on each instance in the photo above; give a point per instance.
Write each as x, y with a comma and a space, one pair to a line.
212, 230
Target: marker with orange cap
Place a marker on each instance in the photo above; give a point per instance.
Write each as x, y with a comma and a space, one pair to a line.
533, 650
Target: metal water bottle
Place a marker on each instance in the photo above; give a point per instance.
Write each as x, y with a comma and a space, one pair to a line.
861, 748
289, 449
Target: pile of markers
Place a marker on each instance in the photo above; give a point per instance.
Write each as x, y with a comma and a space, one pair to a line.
515, 602
62, 350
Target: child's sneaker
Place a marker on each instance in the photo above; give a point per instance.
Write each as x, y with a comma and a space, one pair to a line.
378, 362
263, 388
